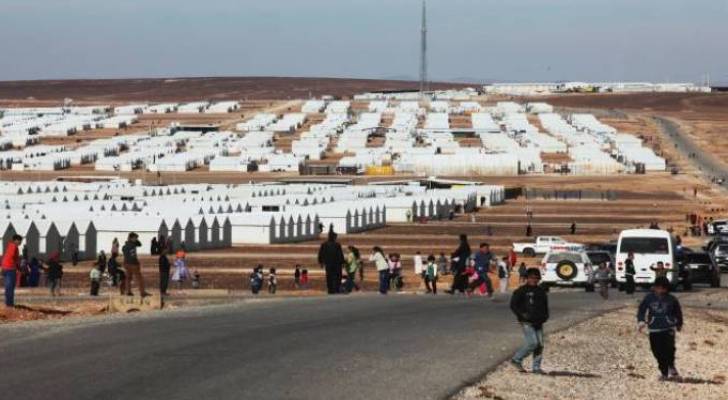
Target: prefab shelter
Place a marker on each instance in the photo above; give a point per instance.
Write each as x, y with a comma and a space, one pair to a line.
50, 239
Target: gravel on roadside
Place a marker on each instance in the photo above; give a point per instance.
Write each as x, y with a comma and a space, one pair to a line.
605, 358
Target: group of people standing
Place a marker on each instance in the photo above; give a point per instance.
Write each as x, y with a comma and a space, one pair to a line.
20, 271
471, 270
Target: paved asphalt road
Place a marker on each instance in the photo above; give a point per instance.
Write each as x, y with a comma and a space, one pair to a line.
708, 164
354, 347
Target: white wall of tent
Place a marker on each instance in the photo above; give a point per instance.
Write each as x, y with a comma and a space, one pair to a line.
86, 217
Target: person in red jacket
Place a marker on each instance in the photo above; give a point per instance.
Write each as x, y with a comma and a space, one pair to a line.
10, 266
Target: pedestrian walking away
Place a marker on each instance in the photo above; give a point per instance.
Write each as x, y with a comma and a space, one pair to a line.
256, 279
55, 273
504, 274
10, 267
483, 261
331, 257
431, 275
629, 273
459, 260
603, 277
352, 266
297, 277
660, 313
132, 265
35, 268
530, 305
382, 266
164, 271
95, 278
522, 273
272, 281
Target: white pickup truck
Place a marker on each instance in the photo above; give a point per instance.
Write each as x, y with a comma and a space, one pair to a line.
545, 244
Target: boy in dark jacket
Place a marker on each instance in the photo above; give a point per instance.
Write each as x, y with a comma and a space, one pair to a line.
530, 305
660, 312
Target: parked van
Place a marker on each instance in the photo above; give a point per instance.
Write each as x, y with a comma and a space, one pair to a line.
648, 246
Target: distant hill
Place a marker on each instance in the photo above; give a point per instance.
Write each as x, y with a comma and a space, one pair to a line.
186, 89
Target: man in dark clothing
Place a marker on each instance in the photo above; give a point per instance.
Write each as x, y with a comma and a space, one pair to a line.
530, 305
664, 314
529, 230
459, 262
164, 269
154, 247
573, 228
483, 259
331, 257
132, 265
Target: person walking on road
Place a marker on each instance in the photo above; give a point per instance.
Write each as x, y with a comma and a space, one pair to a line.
297, 277
331, 257
55, 274
573, 228
431, 275
352, 266
272, 281
459, 261
35, 268
132, 265
603, 276
115, 247
10, 266
522, 273
95, 278
661, 314
164, 270
530, 305
629, 273
483, 260
504, 274
382, 265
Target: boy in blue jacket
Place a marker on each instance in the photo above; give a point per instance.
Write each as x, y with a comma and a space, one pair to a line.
660, 312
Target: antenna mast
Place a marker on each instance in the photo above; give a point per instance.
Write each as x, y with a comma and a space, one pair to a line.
423, 51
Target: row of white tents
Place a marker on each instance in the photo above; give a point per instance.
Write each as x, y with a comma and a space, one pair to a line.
84, 218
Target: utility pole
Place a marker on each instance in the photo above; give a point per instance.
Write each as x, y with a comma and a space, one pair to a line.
423, 51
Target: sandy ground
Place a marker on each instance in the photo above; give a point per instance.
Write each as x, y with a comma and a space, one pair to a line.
605, 358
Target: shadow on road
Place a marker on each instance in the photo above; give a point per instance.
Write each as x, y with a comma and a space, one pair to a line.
572, 374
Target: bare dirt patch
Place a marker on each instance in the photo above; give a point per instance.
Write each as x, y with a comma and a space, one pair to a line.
604, 358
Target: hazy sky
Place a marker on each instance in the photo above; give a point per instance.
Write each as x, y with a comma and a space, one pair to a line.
519, 40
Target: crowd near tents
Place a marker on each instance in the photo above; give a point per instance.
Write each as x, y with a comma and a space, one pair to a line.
80, 219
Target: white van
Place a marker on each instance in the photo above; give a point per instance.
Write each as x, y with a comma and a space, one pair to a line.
648, 246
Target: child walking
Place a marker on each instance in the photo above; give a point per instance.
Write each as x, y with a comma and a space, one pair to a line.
431, 275
304, 278
272, 281
660, 312
95, 277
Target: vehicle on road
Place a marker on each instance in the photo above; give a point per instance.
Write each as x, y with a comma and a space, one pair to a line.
718, 250
718, 227
545, 244
700, 268
649, 247
564, 267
